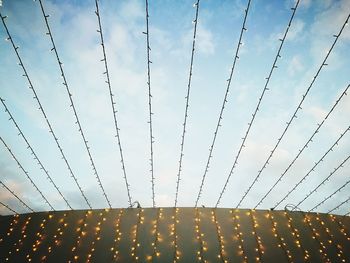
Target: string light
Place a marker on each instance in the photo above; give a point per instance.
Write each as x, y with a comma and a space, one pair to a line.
118, 236
340, 225
135, 234
199, 237
70, 96
281, 242
274, 66
11, 228
344, 93
229, 80
239, 236
113, 103
157, 236
8, 207
32, 88
173, 232
196, 5
36, 158
339, 205
16, 196
294, 116
57, 237
150, 103
221, 240
259, 249
27, 174
313, 168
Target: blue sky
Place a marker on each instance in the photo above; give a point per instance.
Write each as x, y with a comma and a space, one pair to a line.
74, 25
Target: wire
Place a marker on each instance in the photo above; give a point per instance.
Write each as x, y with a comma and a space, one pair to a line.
36, 158
72, 103
150, 104
16, 196
229, 80
338, 206
113, 103
294, 116
8, 207
313, 168
324, 181
274, 66
196, 5
304, 147
27, 174
31, 87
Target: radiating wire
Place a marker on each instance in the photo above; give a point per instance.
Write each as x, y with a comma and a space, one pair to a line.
304, 147
65, 84
324, 181
36, 158
113, 103
8, 207
229, 80
274, 66
187, 103
17, 197
330, 196
294, 116
31, 87
150, 104
27, 174
338, 206
313, 168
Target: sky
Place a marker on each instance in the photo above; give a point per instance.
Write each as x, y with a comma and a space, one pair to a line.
74, 24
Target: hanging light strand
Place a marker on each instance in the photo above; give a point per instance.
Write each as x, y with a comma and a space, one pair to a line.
344, 93
150, 104
196, 5
156, 232
36, 158
259, 249
313, 168
70, 96
274, 66
31, 87
329, 196
239, 236
229, 80
176, 255
323, 181
220, 237
17, 197
294, 116
8, 207
113, 103
199, 237
27, 174
117, 236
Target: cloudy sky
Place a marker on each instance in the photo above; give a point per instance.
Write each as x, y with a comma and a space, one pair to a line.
74, 25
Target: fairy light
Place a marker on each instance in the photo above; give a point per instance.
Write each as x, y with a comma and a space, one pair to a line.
40, 234
156, 233
239, 236
57, 237
220, 237
18, 244
173, 232
295, 234
12, 226
340, 225
315, 235
118, 236
97, 234
259, 249
135, 235
331, 238
199, 237
81, 229
281, 242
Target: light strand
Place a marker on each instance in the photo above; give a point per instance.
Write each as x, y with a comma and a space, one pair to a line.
150, 103
70, 96
323, 181
17, 197
229, 80
135, 233
199, 237
196, 5
239, 236
51, 131
220, 237
118, 236
8, 207
157, 236
274, 66
27, 174
313, 168
12, 226
113, 103
259, 249
36, 158
339, 205
82, 225
173, 232
294, 115
341, 226
344, 93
